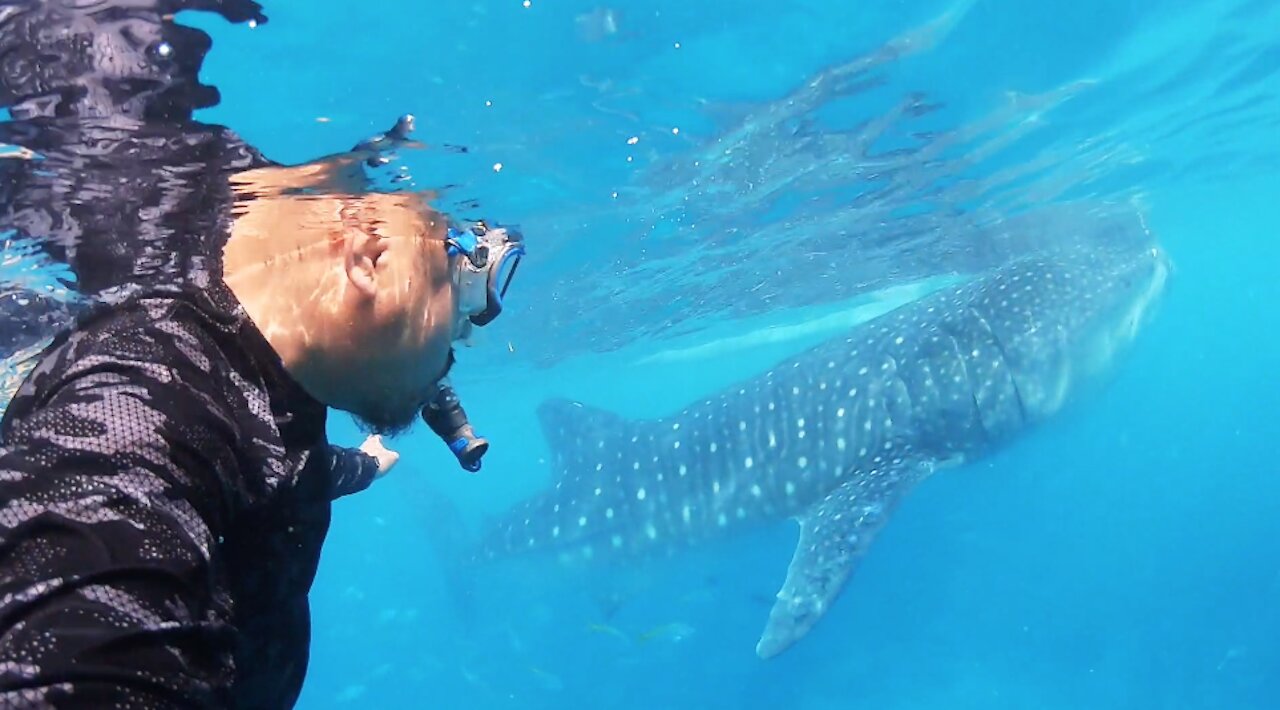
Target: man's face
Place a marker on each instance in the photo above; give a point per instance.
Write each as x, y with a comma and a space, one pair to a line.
401, 341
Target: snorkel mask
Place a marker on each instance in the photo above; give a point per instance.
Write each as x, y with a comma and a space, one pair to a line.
489, 258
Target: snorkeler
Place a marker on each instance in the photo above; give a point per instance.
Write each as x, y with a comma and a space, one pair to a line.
165, 476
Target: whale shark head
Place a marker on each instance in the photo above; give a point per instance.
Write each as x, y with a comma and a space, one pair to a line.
1122, 307
1065, 320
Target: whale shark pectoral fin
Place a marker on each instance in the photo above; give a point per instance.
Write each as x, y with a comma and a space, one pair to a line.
834, 534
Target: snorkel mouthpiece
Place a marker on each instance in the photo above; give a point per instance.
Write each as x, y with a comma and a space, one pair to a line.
445, 416
469, 449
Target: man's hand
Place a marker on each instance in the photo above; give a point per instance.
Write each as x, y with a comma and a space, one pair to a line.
386, 457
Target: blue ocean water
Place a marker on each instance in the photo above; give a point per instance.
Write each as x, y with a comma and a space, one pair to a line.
694, 178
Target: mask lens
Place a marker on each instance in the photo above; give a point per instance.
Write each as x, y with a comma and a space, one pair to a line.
503, 260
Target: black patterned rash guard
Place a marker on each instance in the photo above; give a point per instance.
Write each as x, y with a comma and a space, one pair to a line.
165, 489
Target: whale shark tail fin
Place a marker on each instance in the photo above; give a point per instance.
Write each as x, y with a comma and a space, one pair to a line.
835, 533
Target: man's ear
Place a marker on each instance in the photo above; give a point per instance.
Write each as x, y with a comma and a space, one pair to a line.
362, 253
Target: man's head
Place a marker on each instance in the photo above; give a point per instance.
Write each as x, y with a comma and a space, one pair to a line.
356, 292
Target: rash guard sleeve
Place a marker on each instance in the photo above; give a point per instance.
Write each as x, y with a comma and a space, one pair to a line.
351, 470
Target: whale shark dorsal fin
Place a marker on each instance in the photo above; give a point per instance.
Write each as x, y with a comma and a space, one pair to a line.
569, 425
834, 534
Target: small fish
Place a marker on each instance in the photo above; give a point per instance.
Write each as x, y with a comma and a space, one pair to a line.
674, 632
469, 675
1232, 654
607, 630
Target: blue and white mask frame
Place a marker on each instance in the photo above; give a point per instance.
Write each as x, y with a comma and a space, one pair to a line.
483, 275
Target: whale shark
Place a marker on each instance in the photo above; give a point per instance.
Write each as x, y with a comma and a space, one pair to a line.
836, 436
